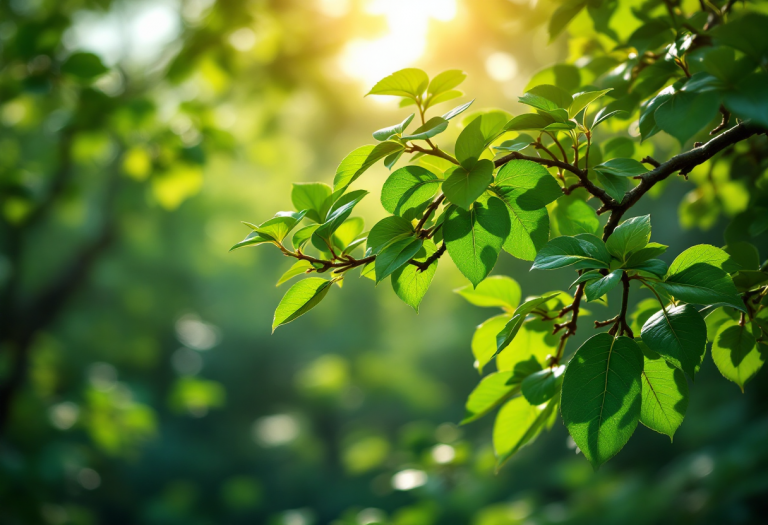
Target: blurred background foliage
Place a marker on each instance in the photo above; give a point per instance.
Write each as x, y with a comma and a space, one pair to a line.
140, 379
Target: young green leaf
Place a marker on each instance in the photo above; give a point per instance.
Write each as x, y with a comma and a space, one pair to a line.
463, 186
391, 131
496, 291
541, 386
347, 233
299, 299
458, 110
336, 217
572, 216
679, 335
445, 96
629, 236
280, 225
703, 254
409, 82
664, 394
492, 390
445, 81
408, 191
303, 235
313, 197
584, 251
598, 288
395, 255
736, 352
474, 237
409, 282
604, 115
357, 162
432, 127
583, 99
529, 221
252, 239
478, 134
298, 268
511, 329
484, 339
601, 395
516, 425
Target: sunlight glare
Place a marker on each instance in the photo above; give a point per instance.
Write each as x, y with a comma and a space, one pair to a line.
403, 44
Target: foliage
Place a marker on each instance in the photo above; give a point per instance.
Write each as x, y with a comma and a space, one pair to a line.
500, 190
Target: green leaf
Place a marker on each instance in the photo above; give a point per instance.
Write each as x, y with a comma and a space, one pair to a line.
538, 102
463, 186
619, 147
280, 225
736, 353
746, 34
529, 175
84, 66
563, 15
686, 113
529, 221
445, 81
391, 131
313, 197
409, 82
347, 233
478, 134
443, 97
303, 235
565, 76
648, 127
702, 284
432, 127
615, 186
511, 329
497, 291
591, 275
541, 386
748, 99
529, 121
651, 250
339, 213
474, 238
603, 115
388, 230
703, 254
252, 239
300, 299
408, 191
585, 251
655, 266
458, 110
622, 167
664, 395
559, 96
572, 216
583, 99
519, 143
517, 423
629, 236
409, 282
601, 395
596, 289
492, 390
357, 162
679, 335
298, 268
484, 339
395, 255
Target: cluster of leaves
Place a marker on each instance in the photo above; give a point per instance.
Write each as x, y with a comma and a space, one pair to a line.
505, 190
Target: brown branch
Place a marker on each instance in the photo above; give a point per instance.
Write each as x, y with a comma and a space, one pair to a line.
683, 163
429, 211
724, 123
435, 152
423, 266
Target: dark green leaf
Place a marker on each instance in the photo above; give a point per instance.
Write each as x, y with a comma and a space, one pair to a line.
601, 395
651, 250
629, 236
584, 251
655, 266
679, 335
702, 284
596, 289
510, 330
336, 217
684, 114
622, 168
84, 66
395, 255
615, 186
541, 386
